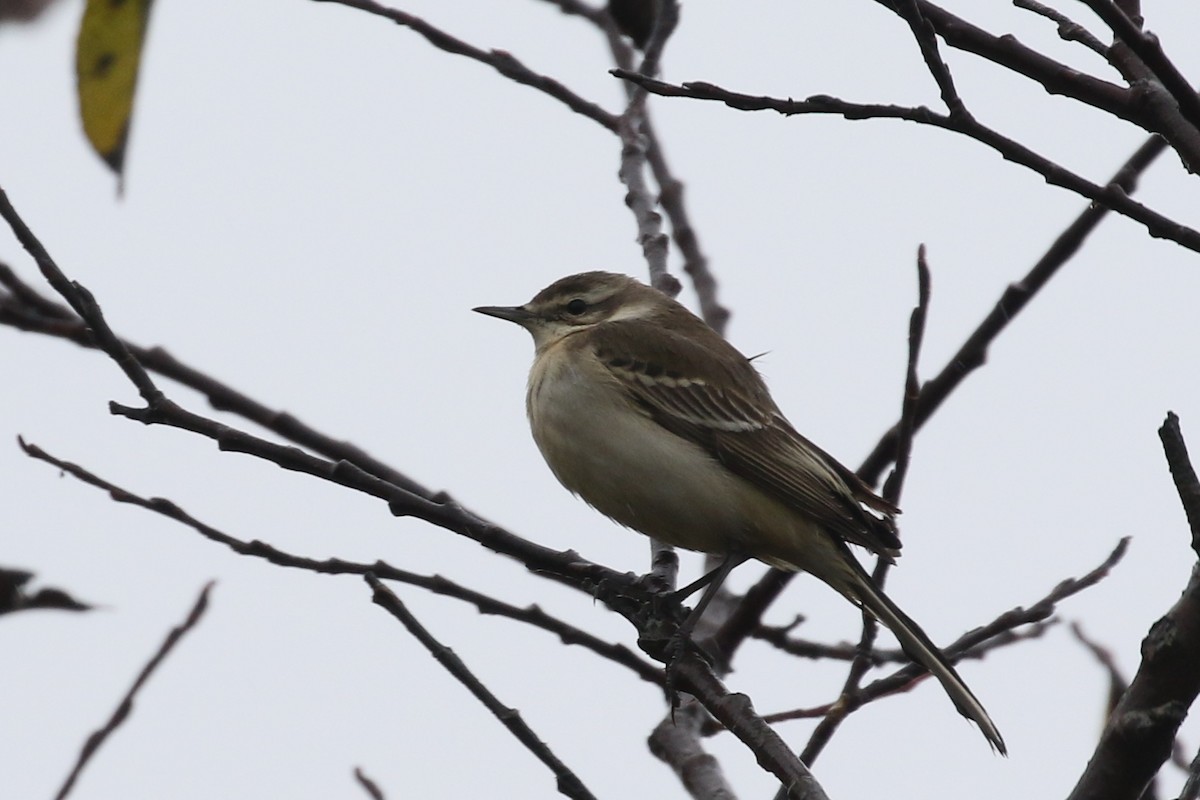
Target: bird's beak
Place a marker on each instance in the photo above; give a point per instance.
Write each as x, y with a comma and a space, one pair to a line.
517, 314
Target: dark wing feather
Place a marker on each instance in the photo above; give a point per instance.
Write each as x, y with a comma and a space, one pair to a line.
742, 427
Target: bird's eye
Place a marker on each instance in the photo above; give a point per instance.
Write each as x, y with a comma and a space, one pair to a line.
576, 307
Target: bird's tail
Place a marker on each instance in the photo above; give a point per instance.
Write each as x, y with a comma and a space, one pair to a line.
920, 648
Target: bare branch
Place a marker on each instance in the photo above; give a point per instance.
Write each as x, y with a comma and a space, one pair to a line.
670, 197
81, 300
27, 314
125, 707
567, 781
1186, 484
1111, 196
676, 742
923, 32
974, 643
847, 652
14, 596
1141, 730
1148, 49
531, 615
369, 786
633, 158
912, 383
1008, 52
1068, 29
973, 352
892, 488
504, 63
737, 715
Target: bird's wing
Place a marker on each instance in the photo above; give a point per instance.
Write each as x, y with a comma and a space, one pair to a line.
723, 405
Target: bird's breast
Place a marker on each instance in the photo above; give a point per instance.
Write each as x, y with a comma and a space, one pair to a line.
609, 451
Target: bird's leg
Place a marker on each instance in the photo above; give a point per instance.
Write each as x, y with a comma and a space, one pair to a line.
711, 583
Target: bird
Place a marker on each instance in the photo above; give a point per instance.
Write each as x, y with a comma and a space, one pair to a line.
659, 423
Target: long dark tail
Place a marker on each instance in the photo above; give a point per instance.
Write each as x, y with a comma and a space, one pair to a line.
920, 648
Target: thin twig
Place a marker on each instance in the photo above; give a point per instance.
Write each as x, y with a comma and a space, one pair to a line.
1008, 52
125, 707
486, 604
737, 715
670, 198
846, 652
977, 642
29, 310
777, 636
638, 198
676, 741
1147, 48
1141, 730
15, 595
1041, 610
1184, 476
893, 487
1068, 29
81, 300
567, 781
923, 32
912, 384
368, 785
503, 62
972, 354
1111, 196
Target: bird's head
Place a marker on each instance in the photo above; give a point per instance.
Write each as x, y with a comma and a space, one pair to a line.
582, 301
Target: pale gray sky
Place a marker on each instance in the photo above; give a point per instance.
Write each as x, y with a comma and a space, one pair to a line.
315, 200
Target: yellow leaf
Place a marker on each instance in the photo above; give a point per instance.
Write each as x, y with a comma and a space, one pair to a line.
107, 56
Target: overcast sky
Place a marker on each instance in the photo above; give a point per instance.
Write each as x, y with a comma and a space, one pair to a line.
316, 198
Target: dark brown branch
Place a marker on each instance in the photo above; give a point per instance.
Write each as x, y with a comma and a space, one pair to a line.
1068, 29
1007, 51
369, 786
923, 31
1040, 611
638, 198
25, 295
1117, 683
1148, 49
737, 715
676, 741
1141, 730
125, 707
1186, 484
777, 637
1111, 196
670, 197
894, 485
973, 352
845, 652
1145, 103
15, 596
531, 615
970, 356
975, 643
504, 63
81, 300
26, 314
567, 781
912, 384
